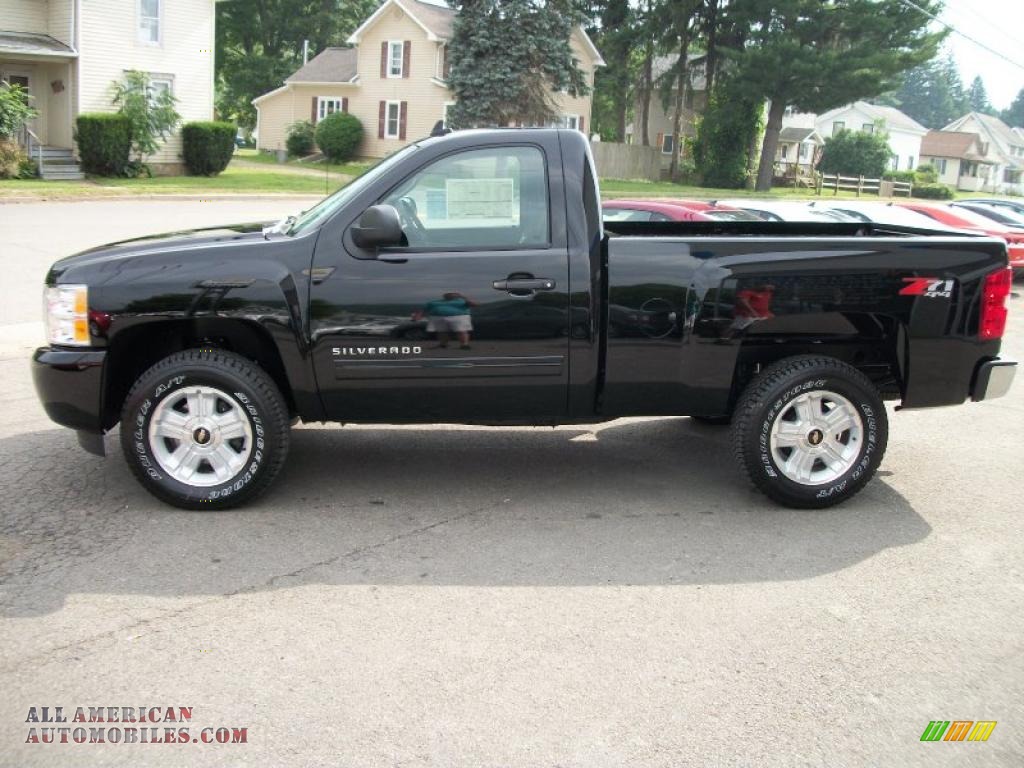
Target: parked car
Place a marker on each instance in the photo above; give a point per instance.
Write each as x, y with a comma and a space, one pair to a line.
961, 218
206, 346
998, 202
880, 213
649, 210
718, 211
1000, 214
785, 210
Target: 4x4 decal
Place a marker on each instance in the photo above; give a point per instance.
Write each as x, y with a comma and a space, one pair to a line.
927, 286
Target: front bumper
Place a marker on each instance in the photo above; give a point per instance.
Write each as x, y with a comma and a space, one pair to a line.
993, 379
69, 383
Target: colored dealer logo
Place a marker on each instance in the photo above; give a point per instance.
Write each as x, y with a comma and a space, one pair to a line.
958, 730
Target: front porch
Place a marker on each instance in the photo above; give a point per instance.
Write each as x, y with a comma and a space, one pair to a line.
46, 69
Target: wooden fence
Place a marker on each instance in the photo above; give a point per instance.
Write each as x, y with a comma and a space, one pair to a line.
834, 182
626, 161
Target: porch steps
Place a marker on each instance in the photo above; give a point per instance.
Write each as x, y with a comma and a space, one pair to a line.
59, 164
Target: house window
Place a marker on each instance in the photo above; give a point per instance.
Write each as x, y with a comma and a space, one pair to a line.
327, 105
940, 165
149, 21
570, 121
803, 151
396, 55
667, 144
392, 119
910, 163
158, 85
785, 151
868, 127
838, 126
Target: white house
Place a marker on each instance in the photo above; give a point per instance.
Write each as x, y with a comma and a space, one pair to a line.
67, 53
1004, 145
905, 133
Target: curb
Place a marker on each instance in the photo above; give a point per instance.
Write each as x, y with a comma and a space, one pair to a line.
118, 196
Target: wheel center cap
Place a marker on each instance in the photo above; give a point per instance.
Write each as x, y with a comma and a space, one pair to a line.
815, 437
201, 435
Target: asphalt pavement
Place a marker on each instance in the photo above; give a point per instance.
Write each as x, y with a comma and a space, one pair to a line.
466, 596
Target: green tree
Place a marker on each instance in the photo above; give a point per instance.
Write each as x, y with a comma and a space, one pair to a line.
679, 22
508, 58
816, 55
615, 33
258, 44
1014, 114
15, 109
932, 93
977, 97
150, 111
727, 135
856, 153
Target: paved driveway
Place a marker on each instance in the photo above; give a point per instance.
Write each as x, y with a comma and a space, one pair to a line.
514, 597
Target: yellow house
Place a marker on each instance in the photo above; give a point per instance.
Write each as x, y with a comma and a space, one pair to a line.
393, 79
66, 53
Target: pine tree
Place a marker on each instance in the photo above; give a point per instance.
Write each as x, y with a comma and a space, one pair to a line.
977, 97
1014, 114
508, 58
816, 55
932, 93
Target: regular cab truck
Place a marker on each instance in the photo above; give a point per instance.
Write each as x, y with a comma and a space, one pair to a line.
469, 278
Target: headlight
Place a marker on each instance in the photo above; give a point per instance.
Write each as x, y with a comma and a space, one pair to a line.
67, 314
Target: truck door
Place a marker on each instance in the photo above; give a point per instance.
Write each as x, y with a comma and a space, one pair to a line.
468, 321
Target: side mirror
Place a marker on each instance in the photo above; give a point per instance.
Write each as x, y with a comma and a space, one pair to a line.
378, 227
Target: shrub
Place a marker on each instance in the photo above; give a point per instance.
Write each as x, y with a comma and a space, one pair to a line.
932, 191
927, 174
11, 158
104, 142
338, 135
151, 112
300, 138
208, 147
856, 153
899, 176
15, 110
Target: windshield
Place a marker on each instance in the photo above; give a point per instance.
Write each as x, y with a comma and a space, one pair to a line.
881, 213
329, 205
976, 219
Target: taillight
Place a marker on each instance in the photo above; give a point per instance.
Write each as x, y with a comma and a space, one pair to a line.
994, 290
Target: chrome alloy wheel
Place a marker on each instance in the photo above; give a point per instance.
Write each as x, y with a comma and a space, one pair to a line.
817, 437
200, 436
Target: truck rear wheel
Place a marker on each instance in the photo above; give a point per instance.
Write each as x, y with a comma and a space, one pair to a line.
205, 429
810, 431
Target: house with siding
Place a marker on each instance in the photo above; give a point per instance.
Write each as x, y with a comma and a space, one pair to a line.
905, 134
67, 53
660, 103
962, 159
1003, 144
393, 77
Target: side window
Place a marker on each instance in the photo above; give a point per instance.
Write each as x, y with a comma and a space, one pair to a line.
481, 198
624, 214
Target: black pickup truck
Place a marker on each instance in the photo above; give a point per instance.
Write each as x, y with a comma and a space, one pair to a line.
469, 279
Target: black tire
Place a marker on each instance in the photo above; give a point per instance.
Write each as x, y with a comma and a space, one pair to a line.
768, 398
249, 389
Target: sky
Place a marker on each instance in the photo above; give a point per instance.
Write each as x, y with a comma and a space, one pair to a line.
999, 24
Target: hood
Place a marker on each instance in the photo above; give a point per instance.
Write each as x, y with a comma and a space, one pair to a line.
178, 242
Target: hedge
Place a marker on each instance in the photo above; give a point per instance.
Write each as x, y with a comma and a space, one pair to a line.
104, 141
300, 139
932, 191
208, 147
338, 135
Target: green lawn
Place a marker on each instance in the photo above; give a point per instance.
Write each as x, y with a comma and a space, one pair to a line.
262, 174
353, 168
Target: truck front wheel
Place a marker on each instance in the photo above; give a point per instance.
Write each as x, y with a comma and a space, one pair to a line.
205, 429
810, 431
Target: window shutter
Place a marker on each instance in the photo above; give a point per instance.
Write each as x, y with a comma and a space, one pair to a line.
402, 109
581, 126
344, 103
312, 111
406, 50
380, 120
661, 141
384, 59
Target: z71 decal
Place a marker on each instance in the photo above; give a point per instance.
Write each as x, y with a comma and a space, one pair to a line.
927, 286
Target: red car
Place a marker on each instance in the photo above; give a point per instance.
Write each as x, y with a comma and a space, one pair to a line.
961, 218
649, 210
